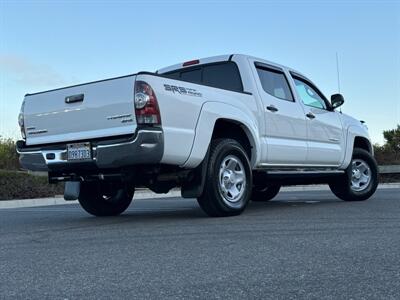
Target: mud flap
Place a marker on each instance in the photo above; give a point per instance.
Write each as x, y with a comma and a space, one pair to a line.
195, 188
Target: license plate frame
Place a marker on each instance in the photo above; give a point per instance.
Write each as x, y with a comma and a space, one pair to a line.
77, 152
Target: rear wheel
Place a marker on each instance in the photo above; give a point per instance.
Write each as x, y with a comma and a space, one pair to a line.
105, 198
265, 193
360, 179
228, 181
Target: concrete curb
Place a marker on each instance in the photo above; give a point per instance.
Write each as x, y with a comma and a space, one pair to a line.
146, 194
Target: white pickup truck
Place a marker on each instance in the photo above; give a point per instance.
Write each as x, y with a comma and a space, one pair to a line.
226, 129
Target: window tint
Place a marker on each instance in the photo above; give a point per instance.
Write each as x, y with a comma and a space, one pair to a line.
274, 83
224, 76
173, 75
219, 75
308, 95
192, 75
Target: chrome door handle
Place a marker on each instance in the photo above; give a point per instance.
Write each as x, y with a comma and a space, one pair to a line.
272, 108
310, 115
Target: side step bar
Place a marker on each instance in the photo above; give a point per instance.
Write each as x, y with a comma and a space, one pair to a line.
304, 172
299, 176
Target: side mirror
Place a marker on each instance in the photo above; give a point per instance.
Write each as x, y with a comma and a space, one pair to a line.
337, 100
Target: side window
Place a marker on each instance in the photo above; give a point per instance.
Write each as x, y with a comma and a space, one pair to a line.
193, 75
224, 76
308, 95
274, 82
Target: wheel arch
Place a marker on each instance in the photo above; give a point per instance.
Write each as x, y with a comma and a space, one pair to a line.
356, 137
363, 143
218, 120
228, 128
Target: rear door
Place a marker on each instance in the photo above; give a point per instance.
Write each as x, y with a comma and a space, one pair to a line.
285, 128
324, 128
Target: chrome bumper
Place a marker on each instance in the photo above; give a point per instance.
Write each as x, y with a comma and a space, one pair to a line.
146, 147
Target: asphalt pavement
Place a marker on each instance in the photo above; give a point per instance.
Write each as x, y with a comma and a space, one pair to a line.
306, 245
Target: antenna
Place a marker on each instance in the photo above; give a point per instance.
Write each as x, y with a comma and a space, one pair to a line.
337, 70
338, 77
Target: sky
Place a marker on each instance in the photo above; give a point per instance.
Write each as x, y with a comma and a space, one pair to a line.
50, 44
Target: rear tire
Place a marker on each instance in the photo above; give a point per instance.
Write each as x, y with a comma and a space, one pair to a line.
228, 183
105, 199
264, 194
360, 180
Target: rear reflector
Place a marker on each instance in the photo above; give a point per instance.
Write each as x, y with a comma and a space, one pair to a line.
190, 62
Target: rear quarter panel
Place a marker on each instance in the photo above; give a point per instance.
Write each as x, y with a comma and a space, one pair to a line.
179, 114
188, 119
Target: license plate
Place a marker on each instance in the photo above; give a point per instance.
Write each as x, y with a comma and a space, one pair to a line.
77, 152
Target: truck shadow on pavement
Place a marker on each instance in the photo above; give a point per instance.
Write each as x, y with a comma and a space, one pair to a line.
188, 209
160, 214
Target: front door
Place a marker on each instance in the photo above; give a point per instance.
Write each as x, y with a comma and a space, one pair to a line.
324, 128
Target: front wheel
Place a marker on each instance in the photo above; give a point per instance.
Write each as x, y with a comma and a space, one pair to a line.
228, 181
105, 198
360, 180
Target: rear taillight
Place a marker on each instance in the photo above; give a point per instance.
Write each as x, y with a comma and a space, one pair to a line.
146, 106
21, 121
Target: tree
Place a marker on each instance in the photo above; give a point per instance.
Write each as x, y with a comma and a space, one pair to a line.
389, 153
392, 138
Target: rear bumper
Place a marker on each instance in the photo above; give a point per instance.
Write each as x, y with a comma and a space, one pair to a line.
145, 147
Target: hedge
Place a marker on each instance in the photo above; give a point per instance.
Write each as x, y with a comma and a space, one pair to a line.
21, 185
8, 155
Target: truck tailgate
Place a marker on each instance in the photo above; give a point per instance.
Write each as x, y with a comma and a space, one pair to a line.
81, 112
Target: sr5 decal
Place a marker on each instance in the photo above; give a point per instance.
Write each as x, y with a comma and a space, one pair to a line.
182, 90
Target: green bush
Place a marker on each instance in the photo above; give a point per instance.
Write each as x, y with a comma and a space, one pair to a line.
8, 155
386, 156
389, 153
20, 185
392, 138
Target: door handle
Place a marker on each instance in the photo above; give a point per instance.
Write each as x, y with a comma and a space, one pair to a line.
272, 108
310, 115
74, 98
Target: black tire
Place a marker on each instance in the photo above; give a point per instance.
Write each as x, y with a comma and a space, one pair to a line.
214, 201
342, 186
264, 194
105, 199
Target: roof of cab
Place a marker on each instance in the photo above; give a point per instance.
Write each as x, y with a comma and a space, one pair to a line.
205, 60
268, 62
220, 58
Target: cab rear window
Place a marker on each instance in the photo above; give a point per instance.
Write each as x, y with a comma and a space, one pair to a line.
191, 75
224, 75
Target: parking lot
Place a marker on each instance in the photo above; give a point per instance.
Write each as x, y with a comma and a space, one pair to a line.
301, 245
